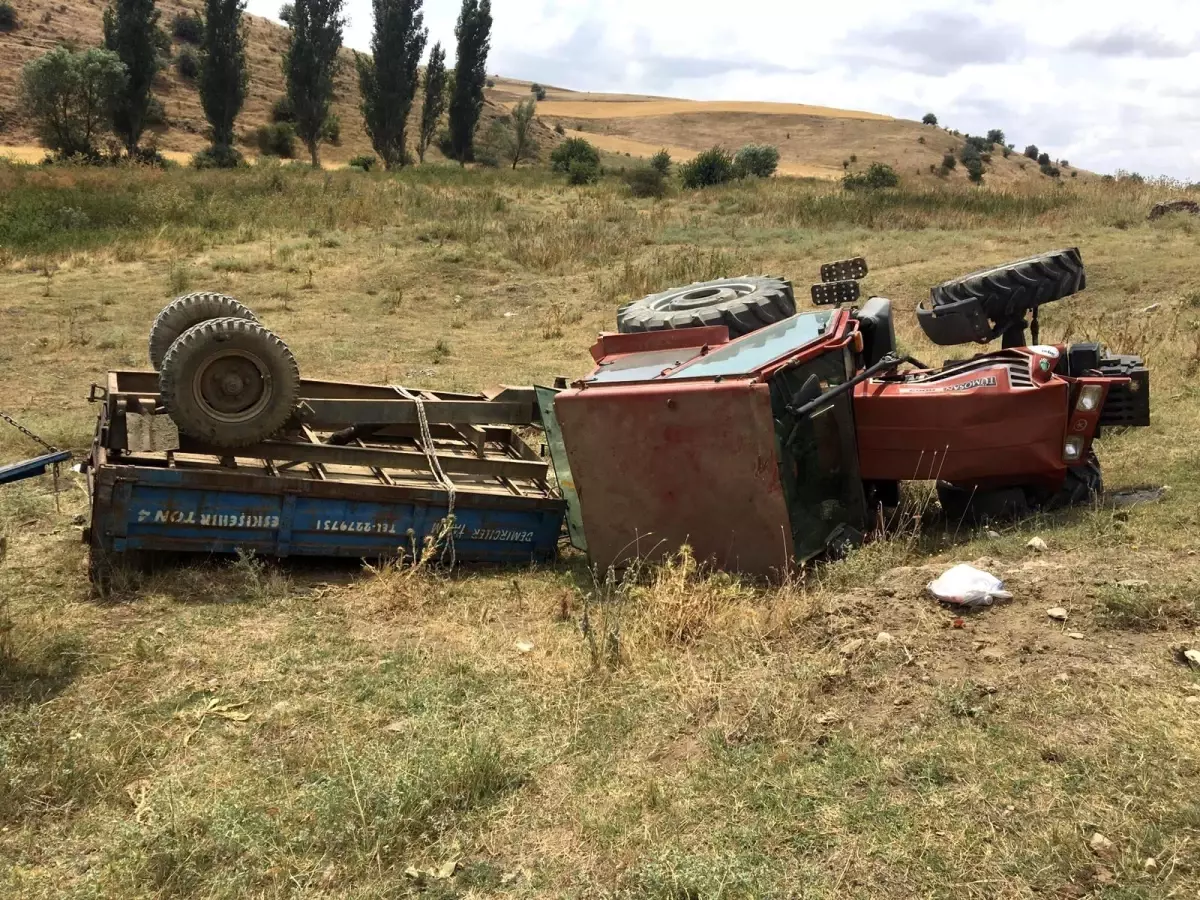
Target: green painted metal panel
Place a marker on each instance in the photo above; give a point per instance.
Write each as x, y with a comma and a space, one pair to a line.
562, 467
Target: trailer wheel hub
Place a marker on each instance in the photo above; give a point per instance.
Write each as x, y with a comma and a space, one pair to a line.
233, 387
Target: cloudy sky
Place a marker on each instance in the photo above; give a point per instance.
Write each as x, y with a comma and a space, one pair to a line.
1105, 84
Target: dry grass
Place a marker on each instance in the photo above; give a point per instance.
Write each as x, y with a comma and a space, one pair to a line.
252, 730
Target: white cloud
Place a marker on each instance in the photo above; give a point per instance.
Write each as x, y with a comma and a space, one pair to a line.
1097, 82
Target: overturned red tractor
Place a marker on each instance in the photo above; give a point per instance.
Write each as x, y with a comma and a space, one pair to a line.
720, 418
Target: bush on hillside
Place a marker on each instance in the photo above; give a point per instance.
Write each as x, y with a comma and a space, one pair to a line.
187, 64
647, 182
1049, 170
581, 171
218, 158
331, 131
661, 162
929, 119
1032, 152
281, 110
156, 113
948, 161
1043, 159
188, 27
996, 136
365, 162
713, 166
759, 160
975, 170
574, 150
538, 91
278, 139
8, 16
558, 128
878, 175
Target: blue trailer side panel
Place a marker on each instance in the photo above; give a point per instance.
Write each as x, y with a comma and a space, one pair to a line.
178, 510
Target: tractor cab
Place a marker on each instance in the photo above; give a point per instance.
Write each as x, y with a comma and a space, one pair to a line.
686, 437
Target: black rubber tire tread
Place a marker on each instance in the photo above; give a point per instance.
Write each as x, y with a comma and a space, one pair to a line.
772, 300
191, 350
1013, 288
976, 506
187, 311
1083, 485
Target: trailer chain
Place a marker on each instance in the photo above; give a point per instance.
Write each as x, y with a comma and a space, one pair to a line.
25, 431
37, 440
435, 466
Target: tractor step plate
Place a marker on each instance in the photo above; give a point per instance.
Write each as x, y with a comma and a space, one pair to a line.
844, 270
834, 292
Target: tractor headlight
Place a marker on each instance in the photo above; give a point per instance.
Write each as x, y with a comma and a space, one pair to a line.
1073, 449
1090, 397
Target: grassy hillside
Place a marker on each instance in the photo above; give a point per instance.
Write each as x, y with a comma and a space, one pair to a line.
814, 141
234, 730
45, 24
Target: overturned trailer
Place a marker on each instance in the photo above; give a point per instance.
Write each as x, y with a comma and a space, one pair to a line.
430, 467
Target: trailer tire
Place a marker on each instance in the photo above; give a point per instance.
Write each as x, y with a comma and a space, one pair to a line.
229, 382
742, 304
1008, 291
187, 311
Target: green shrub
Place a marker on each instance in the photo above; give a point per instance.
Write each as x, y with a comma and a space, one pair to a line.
929, 119
8, 16
281, 111
538, 91
218, 158
365, 162
878, 175
1043, 159
975, 170
278, 139
156, 113
187, 63
558, 128
574, 150
647, 182
1064, 164
580, 171
713, 166
1032, 152
661, 162
1049, 170
331, 131
996, 136
948, 161
759, 160
188, 27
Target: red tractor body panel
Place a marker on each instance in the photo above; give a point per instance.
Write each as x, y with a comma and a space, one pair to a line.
665, 464
998, 418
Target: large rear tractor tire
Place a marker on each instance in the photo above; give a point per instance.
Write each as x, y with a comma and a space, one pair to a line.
229, 383
1010, 290
742, 304
186, 312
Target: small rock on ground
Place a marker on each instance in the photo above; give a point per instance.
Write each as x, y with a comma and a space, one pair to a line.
1057, 613
1101, 846
1037, 545
884, 638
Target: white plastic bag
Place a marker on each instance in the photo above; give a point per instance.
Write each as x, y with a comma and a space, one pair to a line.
967, 586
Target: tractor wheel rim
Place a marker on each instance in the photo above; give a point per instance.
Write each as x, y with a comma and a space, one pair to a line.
707, 295
232, 387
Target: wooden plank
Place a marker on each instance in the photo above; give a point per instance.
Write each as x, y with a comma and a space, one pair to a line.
333, 414
369, 457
